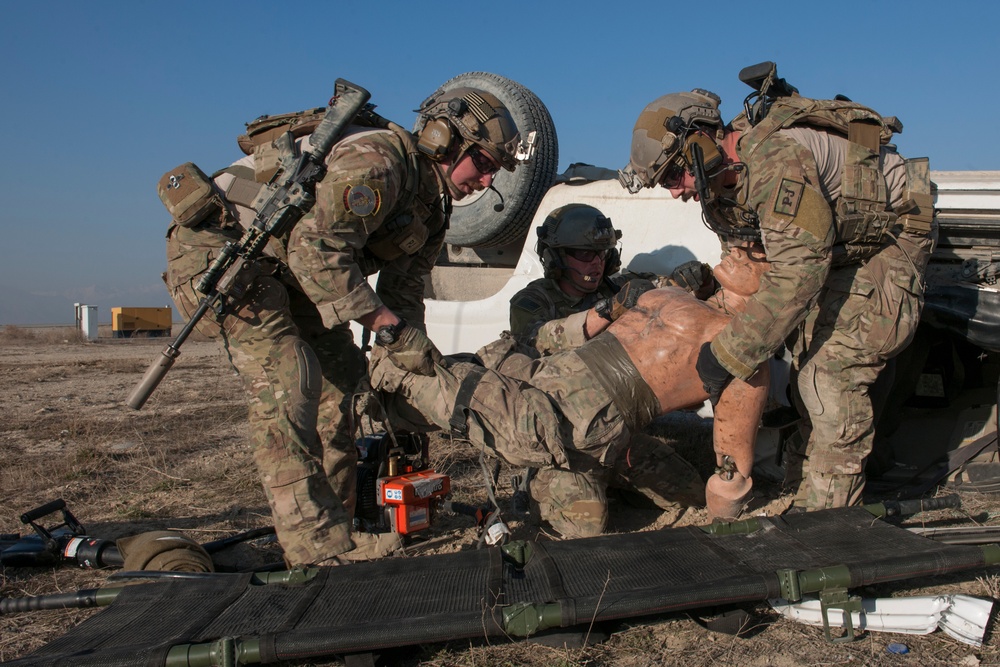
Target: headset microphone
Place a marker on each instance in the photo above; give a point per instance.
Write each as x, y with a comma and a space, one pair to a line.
497, 207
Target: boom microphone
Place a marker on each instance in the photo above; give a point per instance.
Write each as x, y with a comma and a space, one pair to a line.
497, 207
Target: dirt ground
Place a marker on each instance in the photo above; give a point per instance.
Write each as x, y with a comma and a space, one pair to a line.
183, 463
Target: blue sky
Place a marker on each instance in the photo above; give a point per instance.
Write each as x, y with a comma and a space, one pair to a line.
101, 98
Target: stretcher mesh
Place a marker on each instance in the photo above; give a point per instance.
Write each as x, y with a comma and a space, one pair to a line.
460, 595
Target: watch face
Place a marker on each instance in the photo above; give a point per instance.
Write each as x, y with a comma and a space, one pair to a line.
389, 334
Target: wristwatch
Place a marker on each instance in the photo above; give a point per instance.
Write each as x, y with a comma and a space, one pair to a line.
603, 308
389, 334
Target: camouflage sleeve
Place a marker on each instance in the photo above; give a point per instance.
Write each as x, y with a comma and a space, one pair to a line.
535, 323
401, 282
363, 183
797, 229
566, 333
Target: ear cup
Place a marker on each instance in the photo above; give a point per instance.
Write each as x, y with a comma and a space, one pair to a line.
613, 262
710, 151
435, 138
551, 262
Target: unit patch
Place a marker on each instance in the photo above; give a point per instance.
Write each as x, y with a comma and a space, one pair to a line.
789, 197
361, 200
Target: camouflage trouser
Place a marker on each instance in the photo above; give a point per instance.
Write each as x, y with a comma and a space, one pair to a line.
561, 421
866, 314
576, 505
300, 377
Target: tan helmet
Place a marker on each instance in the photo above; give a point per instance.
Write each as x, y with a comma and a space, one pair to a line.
664, 132
477, 117
580, 227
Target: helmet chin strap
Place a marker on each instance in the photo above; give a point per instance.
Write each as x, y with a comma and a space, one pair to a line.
452, 188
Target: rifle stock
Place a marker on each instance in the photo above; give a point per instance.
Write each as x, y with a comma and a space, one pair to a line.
288, 198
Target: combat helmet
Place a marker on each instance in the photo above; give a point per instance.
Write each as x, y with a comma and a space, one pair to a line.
465, 117
665, 132
576, 226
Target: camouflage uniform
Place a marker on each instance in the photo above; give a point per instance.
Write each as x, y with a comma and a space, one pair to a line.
842, 318
546, 318
554, 413
290, 337
574, 501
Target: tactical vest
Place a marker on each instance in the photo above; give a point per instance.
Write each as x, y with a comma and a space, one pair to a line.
861, 217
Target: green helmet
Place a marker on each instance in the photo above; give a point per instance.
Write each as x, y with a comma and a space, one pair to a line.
477, 118
580, 227
659, 139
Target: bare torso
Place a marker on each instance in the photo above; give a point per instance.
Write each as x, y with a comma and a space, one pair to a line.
662, 336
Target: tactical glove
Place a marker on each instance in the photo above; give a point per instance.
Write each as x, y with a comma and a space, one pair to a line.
615, 306
694, 276
714, 376
413, 351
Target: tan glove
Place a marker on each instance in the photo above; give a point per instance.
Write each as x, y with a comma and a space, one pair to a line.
615, 306
694, 276
413, 351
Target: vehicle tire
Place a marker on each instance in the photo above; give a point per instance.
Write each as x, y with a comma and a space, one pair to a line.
474, 222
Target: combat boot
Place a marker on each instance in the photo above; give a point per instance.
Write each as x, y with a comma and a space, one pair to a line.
367, 546
371, 546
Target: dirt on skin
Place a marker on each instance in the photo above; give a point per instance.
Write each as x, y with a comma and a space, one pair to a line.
183, 463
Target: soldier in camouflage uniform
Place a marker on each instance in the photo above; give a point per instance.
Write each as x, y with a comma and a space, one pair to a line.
570, 305
382, 206
579, 410
848, 228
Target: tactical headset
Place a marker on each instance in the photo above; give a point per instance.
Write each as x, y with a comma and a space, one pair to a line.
435, 139
461, 118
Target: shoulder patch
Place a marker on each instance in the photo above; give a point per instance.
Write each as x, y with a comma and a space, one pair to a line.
527, 303
362, 200
788, 197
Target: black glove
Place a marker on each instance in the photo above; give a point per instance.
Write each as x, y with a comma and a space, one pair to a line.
714, 376
413, 351
615, 306
696, 277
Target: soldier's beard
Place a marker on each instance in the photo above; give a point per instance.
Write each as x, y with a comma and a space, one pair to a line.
445, 178
453, 189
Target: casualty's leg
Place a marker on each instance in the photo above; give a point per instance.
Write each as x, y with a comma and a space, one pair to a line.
516, 422
575, 504
655, 471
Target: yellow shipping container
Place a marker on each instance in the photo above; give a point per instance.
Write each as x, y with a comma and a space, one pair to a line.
126, 322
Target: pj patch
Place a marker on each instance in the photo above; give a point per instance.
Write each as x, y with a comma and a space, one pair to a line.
789, 197
361, 200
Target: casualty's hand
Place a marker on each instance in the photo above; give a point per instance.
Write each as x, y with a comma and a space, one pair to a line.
694, 276
413, 351
714, 376
615, 306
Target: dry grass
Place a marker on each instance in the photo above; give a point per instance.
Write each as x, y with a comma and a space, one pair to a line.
183, 462
15, 335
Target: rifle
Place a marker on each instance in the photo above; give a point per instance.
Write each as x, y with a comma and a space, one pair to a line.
288, 196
